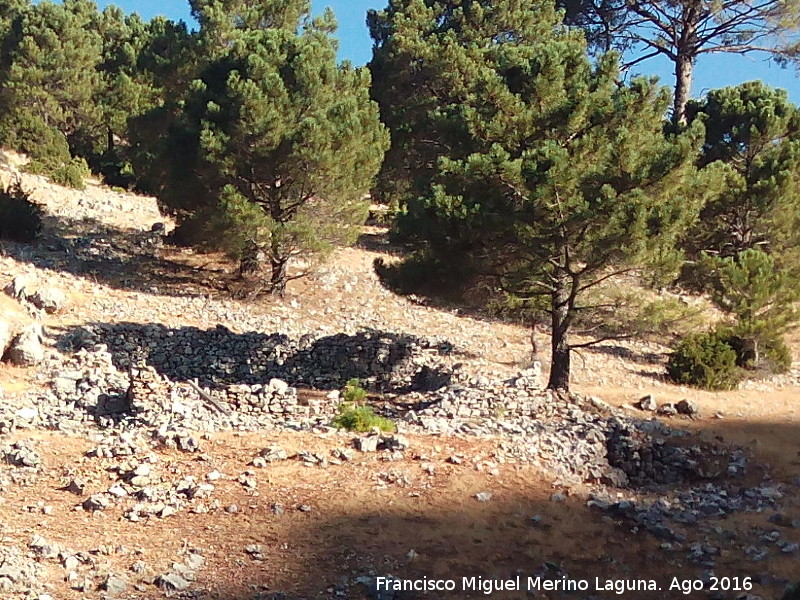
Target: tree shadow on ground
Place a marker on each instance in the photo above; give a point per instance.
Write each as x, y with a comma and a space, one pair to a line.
443, 532
123, 258
448, 534
384, 361
617, 351
378, 242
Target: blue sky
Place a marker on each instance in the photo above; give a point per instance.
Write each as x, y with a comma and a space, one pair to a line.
712, 71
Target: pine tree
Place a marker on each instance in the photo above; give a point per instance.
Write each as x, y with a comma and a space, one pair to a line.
682, 31
755, 132
275, 144
761, 296
50, 84
551, 177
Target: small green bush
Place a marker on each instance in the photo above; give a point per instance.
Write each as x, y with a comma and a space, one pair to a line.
361, 419
705, 360
773, 356
71, 174
777, 356
20, 219
354, 393
31, 135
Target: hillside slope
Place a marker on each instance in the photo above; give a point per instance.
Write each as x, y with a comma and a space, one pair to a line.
122, 481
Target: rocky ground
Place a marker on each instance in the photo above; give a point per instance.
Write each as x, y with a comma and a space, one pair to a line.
162, 438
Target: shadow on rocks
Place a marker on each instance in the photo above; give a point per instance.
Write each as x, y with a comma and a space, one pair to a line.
382, 361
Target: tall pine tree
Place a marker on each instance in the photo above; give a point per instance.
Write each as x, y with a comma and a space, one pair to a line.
51, 81
755, 131
551, 177
274, 145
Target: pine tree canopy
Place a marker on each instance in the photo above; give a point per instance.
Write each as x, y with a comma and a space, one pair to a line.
551, 177
278, 140
755, 131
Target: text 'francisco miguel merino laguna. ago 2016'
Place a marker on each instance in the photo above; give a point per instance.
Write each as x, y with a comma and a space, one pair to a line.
598, 584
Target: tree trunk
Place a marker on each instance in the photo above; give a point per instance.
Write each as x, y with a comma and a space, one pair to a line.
279, 277
279, 259
109, 142
684, 67
560, 350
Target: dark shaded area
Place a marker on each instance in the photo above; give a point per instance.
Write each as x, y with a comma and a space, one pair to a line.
441, 284
514, 535
383, 360
20, 218
642, 358
121, 258
378, 242
522, 533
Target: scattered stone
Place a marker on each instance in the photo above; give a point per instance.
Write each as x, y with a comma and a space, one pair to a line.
648, 403
27, 414
76, 486
21, 287
21, 454
172, 582
50, 300
277, 509
115, 585
194, 561
96, 502
256, 551
26, 349
273, 454
790, 548
688, 408
367, 444
248, 480
483, 496
343, 454
668, 410
279, 386
395, 442
5, 337
304, 508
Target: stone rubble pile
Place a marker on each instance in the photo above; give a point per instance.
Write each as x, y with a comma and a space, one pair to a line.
88, 390
581, 439
19, 573
219, 356
90, 571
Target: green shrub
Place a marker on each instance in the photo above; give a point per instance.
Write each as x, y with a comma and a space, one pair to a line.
20, 219
30, 134
71, 174
361, 419
421, 274
117, 174
354, 417
354, 393
762, 351
705, 360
